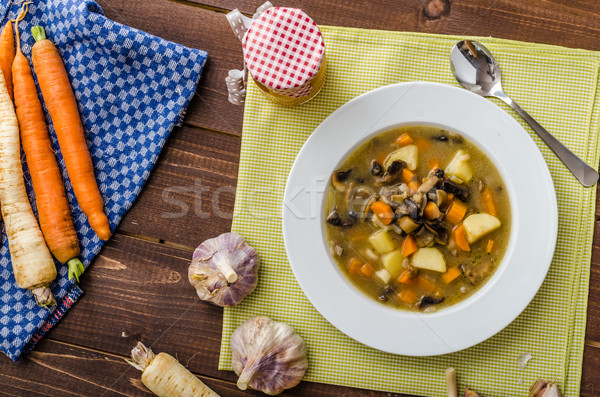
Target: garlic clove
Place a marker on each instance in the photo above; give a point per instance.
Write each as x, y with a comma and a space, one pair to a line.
224, 269
470, 393
267, 355
544, 388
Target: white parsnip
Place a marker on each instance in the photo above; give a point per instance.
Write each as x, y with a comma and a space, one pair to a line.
32, 262
165, 376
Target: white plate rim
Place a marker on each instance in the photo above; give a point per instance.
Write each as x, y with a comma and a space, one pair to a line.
533, 234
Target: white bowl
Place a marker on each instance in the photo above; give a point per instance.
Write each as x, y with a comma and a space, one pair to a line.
532, 237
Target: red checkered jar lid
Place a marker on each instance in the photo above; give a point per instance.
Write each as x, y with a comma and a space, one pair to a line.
283, 49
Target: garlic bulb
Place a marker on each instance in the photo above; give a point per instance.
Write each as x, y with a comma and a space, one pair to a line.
543, 388
267, 355
224, 269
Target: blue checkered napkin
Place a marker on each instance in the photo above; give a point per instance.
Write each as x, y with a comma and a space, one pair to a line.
132, 89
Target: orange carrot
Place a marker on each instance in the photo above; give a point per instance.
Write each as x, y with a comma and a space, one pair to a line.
60, 101
409, 246
456, 212
366, 270
431, 211
53, 208
489, 247
406, 278
488, 201
404, 140
384, 212
460, 239
434, 164
7, 54
408, 296
426, 285
354, 266
423, 144
408, 175
451, 274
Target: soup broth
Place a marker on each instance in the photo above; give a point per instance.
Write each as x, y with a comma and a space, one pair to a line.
417, 218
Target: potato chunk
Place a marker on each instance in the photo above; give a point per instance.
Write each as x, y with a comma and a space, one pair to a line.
409, 154
460, 167
429, 258
382, 241
393, 262
478, 225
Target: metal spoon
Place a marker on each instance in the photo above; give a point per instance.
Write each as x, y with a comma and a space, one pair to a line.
476, 70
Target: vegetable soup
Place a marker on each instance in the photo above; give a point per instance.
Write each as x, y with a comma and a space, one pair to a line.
417, 218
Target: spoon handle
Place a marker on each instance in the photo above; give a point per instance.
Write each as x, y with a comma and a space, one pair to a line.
585, 174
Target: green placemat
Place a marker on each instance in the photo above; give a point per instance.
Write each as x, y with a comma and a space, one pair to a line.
557, 86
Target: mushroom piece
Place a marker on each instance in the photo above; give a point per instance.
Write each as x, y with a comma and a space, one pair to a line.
429, 300
338, 179
440, 233
393, 171
335, 248
459, 191
224, 270
431, 182
396, 167
408, 225
363, 192
335, 219
476, 272
375, 168
367, 207
424, 237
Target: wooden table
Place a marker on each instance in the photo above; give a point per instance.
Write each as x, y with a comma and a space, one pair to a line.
137, 288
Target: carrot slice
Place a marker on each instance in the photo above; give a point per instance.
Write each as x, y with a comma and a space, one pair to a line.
423, 144
431, 211
384, 212
451, 275
407, 175
460, 239
408, 296
488, 201
456, 212
404, 140
354, 266
426, 285
489, 247
434, 164
406, 278
367, 270
409, 246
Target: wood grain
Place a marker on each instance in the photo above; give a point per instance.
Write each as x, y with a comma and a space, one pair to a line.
190, 194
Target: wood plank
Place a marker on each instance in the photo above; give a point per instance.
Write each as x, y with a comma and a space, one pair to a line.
569, 23
57, 369
196, 28
590, 383
189, 196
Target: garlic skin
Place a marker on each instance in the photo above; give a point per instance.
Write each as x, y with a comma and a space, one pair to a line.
543, 388
267, 355
224, 270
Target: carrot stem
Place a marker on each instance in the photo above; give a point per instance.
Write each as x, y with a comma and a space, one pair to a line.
39, 33
76, 268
